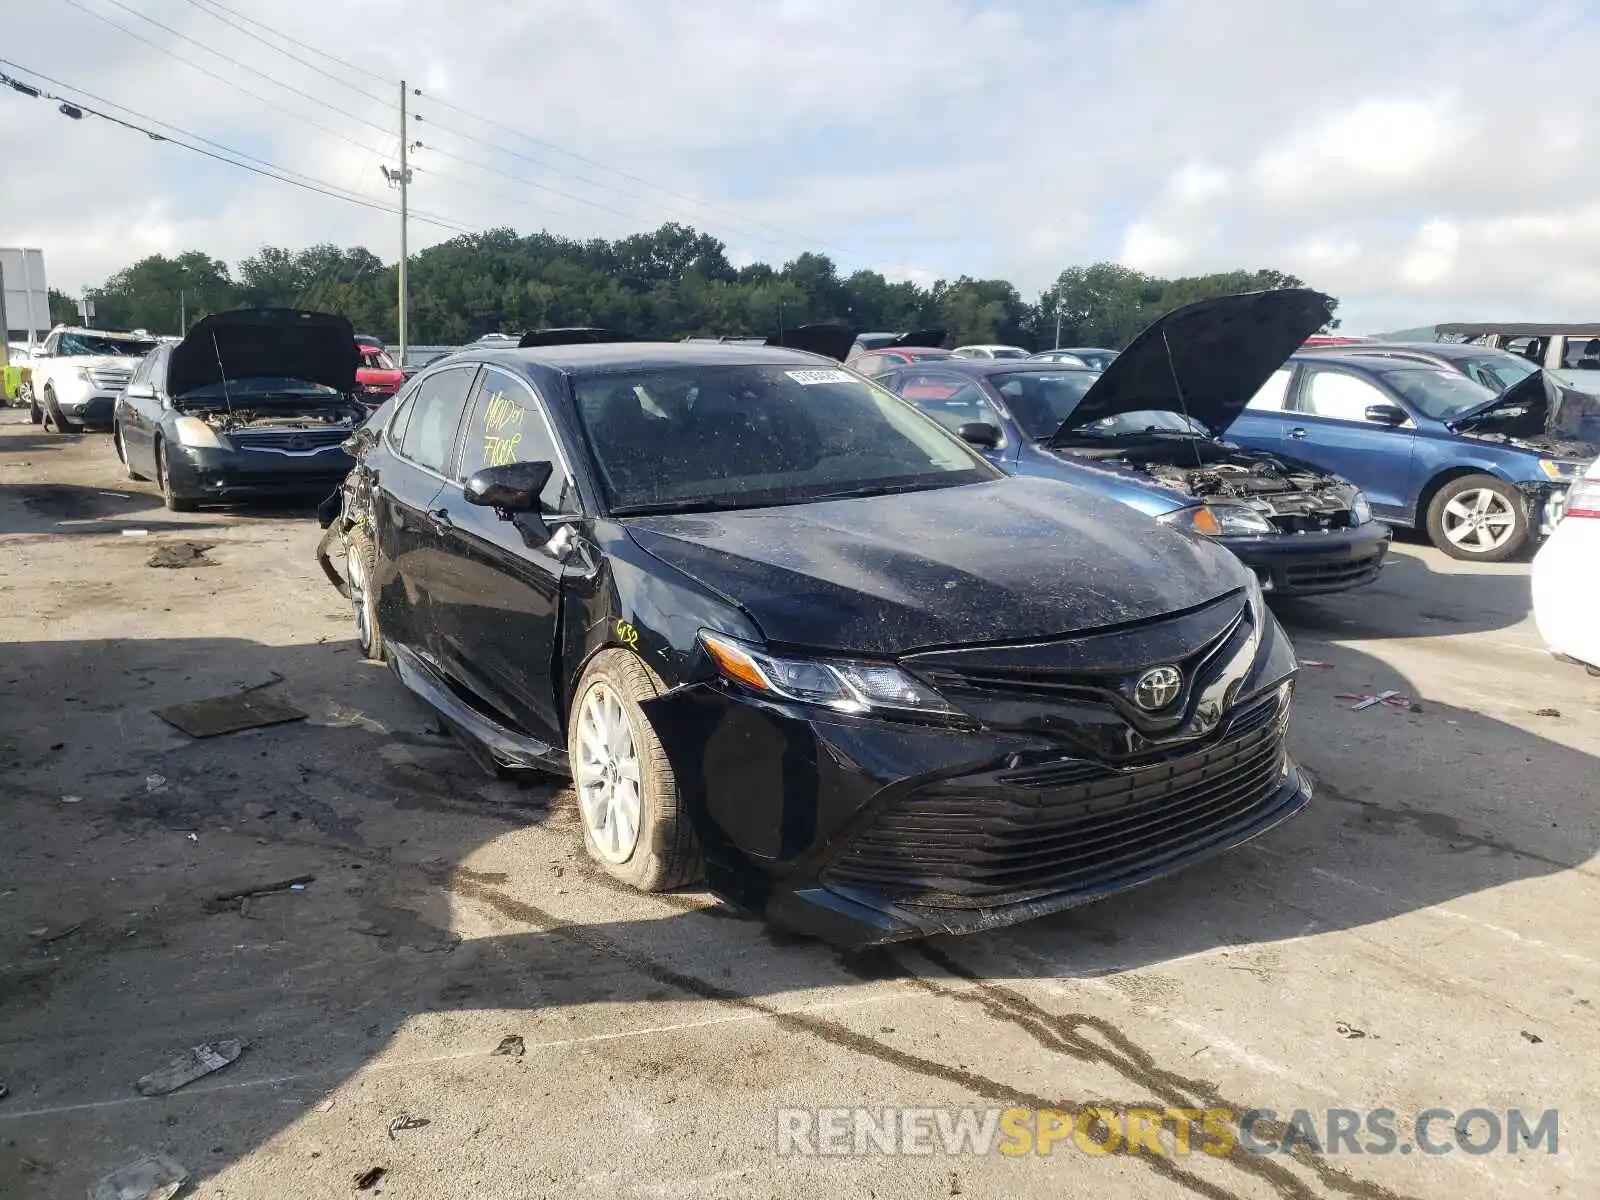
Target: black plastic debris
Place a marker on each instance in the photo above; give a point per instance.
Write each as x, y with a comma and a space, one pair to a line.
228, 714
368, 1179
194, 1063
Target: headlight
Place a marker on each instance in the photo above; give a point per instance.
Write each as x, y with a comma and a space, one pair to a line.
1256, 599
1218, 520
1360, 509
196, 434
850, 687
1556, 469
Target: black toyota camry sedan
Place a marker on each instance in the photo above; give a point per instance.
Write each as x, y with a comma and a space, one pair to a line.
787, 632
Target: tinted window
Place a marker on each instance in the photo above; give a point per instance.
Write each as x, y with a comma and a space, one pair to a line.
1582, 354
1042, 400
1270, 397
429, 434
748, 436
507, 425
1344, 397
1438, 394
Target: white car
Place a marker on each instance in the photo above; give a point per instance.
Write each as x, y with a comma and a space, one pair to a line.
78, 374
989, 351
1566, 577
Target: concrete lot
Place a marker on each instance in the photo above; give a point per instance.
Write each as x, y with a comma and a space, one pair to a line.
1440, 898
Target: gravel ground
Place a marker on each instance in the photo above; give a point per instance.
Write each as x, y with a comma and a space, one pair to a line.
1424, 937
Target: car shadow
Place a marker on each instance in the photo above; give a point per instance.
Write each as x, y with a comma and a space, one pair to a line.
1409, 599
410, 911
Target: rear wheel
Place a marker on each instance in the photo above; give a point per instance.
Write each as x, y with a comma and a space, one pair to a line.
359, 565
1478, 518
634, 823
174, 503
122, 453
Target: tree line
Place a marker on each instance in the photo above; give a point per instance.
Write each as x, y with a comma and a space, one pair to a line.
669, 283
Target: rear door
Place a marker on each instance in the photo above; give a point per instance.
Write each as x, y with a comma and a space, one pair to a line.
137, 416
496, 590
1326, 424
420, 444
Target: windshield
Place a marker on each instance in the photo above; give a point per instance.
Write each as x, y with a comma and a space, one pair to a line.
1007, 352
263, 385
1098, 360
1438, 394
748, 436
72, 344
1041, 400
371, 357
1155, 420
1497, 372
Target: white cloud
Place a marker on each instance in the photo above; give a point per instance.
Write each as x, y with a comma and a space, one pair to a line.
1416, 160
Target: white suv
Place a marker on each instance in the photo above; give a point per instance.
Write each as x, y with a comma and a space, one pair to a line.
78, 374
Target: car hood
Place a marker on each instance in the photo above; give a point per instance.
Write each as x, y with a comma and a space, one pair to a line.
930, 338
255, 343
1207, 358
1538, 406
832, 341
1004, 561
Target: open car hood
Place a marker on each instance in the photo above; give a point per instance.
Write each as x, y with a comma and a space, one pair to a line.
260, 342
1207, 358
575, 335
832, 340
1536, 407
918, 337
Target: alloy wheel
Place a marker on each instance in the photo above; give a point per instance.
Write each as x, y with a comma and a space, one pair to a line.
1479, 521
356, 579
607, 773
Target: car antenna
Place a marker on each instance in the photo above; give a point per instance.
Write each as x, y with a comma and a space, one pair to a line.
1178, 388
228, 399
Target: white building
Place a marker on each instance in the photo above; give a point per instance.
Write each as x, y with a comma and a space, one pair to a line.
25, 303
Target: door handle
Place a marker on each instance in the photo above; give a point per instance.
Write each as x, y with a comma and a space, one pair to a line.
440, 519
1297, 432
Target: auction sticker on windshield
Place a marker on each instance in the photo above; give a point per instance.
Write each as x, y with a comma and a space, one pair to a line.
820, 376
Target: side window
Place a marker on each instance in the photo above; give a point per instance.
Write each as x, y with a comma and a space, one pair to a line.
142, 372
1270, 397
874, 366
508, 425
927, 385
51, 344
1582, 354
958, 402
1340, 396
1530, 348
429, 437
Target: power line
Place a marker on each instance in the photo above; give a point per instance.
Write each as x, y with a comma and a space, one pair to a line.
224, 79
281, 174
323, 71
370, 74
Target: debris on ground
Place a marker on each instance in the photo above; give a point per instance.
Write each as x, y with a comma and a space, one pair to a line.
1316, 662
70, 799
1548, 712
406, 1121
155, 783
45, 936
368, 1179
511, 1046
229, 714
1391, 699
150, 1177
4, 1090
326, 1106
223, 901
135, 533
1532, 1037
182, 554
194, 1063
1346, 1030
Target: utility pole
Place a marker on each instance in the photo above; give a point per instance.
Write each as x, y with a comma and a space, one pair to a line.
405, 179
183, 312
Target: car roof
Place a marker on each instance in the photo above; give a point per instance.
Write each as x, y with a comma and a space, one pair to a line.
1007, 366
596, 358
1366, 362
1519, 329
1451, 350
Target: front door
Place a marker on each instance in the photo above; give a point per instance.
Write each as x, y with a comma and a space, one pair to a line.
1326, 424
497, 586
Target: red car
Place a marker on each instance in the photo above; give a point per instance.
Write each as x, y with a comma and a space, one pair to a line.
873, 363
377, 376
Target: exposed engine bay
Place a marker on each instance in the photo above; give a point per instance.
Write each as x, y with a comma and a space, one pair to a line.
318, 415
1295, 496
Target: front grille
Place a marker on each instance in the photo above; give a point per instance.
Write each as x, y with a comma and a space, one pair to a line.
289, 441
1027, 832
111, 379
1312, 574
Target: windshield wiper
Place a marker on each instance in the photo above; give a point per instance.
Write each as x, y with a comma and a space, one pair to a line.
680, 506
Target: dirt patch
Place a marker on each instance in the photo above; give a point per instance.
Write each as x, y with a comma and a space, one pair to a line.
182, 554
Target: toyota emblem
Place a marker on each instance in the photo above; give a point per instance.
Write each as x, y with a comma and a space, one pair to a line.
299, 442
1157, 688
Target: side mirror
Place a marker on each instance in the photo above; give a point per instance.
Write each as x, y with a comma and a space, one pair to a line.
1386, 414
981, 434
512, 488
140, 391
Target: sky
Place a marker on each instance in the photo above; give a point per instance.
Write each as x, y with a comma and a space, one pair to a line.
1424, 161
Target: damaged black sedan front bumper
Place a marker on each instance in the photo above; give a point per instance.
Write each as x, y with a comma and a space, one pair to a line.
1314, 563
863, 831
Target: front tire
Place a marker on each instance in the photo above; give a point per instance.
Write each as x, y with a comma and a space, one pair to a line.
122, 453
174, 503
53, 414
1478, 518
635, 827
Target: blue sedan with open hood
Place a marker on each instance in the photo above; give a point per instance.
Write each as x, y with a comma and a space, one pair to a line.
1146, 432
